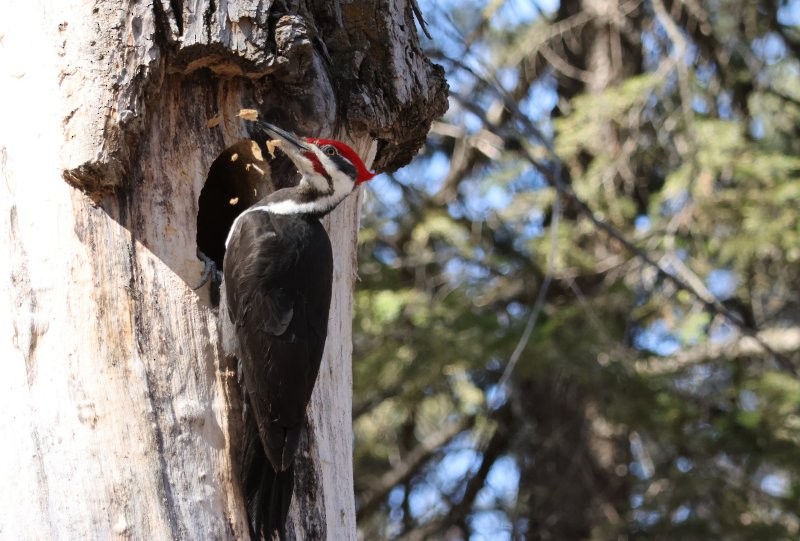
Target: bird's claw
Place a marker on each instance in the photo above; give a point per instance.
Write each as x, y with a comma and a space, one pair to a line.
210, 271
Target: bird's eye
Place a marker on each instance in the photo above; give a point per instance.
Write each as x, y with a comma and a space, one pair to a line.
330, 151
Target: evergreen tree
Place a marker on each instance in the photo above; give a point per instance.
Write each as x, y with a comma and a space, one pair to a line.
579, 309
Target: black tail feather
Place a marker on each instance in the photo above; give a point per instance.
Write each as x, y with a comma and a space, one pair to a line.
267, 494
268, 504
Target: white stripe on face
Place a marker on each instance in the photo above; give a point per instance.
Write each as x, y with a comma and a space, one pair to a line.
342, 183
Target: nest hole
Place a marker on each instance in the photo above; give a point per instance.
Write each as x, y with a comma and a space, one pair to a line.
238, 178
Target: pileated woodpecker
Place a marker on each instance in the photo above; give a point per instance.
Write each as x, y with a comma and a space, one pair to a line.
278, 270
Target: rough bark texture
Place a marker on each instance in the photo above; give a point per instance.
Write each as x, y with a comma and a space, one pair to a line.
118, 405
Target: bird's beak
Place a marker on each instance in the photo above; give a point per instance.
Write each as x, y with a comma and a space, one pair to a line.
291, 144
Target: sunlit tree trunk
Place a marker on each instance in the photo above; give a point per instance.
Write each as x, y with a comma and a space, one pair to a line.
119, 410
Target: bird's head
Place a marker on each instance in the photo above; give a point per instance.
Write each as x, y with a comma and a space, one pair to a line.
330, 170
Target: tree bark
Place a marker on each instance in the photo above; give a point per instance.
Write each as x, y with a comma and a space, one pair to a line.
119, 410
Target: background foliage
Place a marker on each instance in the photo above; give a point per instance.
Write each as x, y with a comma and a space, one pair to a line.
579, 312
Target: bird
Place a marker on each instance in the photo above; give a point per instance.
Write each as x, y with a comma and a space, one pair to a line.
277, 277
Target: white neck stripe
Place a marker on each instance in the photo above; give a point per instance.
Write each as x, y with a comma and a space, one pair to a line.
288, 206
317, 206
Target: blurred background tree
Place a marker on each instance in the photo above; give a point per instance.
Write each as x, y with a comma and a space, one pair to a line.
579, 308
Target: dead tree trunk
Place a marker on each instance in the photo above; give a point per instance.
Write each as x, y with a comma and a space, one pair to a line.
118, 407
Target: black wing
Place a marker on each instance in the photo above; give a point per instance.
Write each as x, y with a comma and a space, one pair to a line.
277, 280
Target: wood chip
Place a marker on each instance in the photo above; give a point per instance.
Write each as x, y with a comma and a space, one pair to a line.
248, 114
214, 121
271, 147
234, 156
233, 201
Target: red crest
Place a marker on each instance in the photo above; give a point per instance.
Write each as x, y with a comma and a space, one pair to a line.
364, 174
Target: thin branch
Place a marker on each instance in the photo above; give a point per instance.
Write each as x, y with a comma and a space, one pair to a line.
493, 450
418, 15
565, 67
373, 401
540, 297
689, 276
782, 95
783, 340
410, 464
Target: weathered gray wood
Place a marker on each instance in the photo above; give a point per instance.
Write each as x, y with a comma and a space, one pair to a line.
118, 406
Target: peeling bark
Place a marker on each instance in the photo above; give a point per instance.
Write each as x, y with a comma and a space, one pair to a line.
352, 67
120, 403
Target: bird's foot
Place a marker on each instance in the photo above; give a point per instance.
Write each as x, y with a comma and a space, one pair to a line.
210, 271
